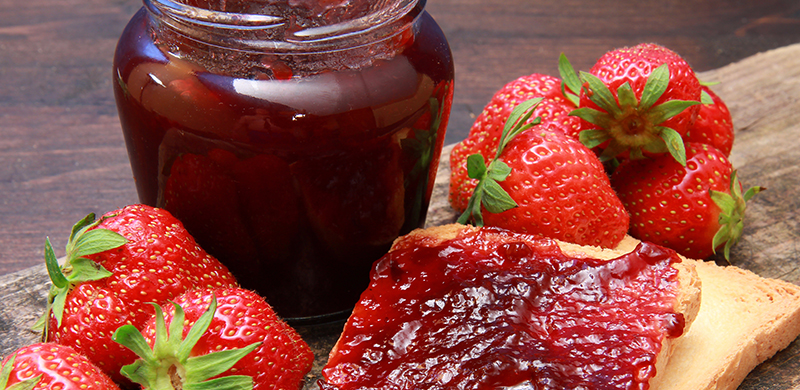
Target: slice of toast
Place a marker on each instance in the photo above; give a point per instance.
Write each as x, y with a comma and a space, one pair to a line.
744, 319
685, 299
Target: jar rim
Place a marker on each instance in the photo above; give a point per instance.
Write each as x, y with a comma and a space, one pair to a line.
214, 26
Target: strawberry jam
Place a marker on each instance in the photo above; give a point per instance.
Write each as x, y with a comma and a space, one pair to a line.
294, 139
476, 312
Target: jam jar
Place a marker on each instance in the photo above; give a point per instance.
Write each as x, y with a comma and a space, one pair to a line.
295, 139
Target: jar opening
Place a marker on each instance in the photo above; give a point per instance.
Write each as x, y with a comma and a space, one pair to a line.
286, 25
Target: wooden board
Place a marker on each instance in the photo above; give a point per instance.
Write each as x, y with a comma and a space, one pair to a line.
763, 94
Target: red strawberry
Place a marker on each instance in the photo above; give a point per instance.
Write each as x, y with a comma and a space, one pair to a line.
547, 183
694, 209
52, 366
639, 99
212, 335
714, 125
484, 136
114, 266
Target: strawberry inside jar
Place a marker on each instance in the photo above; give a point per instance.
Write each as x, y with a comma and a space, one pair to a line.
294, 139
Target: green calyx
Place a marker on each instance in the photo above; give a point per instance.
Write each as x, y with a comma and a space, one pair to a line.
77, 268
731, 216
168, 366
488, 192
5, 375
629, 123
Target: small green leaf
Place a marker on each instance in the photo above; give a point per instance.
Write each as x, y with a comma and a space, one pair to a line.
593, 138
516, 122
626, 96
668, 109
233, 382
655, 86
202, 367
130, 337
200, 326
600, 94
137, 372
476, 166
705, 98
85, 270
498, 170
57, 307
496, 199
571, 84
81, 226
724, 200
674, 143
599, 118
53, 268
96, 241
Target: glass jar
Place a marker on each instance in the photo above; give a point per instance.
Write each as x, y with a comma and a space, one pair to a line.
295, 139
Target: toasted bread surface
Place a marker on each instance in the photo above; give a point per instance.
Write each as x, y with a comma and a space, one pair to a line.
744, 319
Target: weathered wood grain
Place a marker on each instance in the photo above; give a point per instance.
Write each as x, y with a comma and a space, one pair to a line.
763, 94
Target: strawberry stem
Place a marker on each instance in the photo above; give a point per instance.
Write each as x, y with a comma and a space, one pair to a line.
731, 217
488, 193
631, 124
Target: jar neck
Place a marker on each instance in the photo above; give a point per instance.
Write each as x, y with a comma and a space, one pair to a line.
286, 26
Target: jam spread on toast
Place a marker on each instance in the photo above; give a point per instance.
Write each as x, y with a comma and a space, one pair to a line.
491, 309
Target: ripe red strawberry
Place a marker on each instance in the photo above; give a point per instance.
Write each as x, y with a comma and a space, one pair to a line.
217, 338
714, 125
114, 266
547, 183
694, 209
52, 366
637, 100
484, 136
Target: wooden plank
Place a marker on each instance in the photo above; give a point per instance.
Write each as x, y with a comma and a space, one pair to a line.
763, 94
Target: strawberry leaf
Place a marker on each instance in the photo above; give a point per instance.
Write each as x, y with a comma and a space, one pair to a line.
96, 241
53, 268
499, 170
593, 138
674, 143
516, 123
595, 117
496, 199
705, 98
571, 83
168, 361
476, 166
655, 86
731, 217
488, 193
600, 94
626, 96
669, 109
88, 270
203, 367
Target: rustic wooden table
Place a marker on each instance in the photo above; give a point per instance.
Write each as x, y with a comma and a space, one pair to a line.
62, 154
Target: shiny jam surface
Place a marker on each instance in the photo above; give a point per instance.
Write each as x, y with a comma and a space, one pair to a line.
476, 313
297, 182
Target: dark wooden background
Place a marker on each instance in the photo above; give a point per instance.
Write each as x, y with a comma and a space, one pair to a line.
61, 150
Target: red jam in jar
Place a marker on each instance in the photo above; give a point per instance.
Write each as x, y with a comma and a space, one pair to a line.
295, 139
